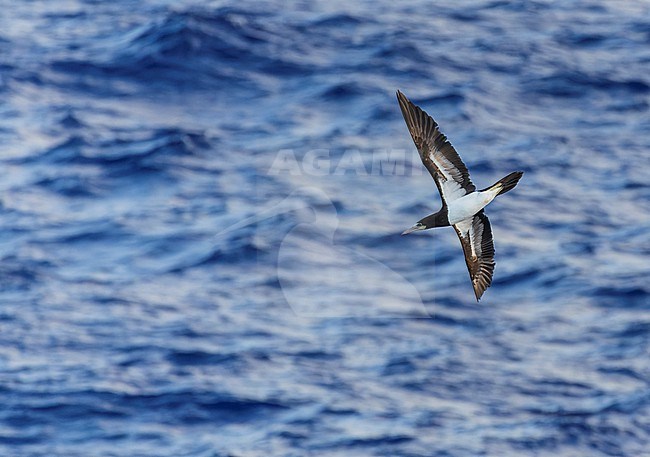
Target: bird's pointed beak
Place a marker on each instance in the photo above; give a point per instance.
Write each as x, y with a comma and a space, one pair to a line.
415, 228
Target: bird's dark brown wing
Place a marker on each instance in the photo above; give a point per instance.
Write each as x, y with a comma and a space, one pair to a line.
437, 154
476, 238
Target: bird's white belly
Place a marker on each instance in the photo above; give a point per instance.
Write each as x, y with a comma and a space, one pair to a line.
467, 206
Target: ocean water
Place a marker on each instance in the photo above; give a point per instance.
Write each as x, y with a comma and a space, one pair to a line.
201, 205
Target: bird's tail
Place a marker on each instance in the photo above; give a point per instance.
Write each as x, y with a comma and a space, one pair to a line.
507, 183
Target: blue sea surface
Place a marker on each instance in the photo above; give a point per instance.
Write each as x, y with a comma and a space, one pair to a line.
201, 206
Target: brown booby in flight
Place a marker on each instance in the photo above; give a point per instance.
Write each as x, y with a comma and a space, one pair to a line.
462, 204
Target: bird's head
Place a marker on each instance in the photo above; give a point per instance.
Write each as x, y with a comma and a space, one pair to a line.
420, 225
438, 219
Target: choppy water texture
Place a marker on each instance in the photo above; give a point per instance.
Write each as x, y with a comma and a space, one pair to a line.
174, 283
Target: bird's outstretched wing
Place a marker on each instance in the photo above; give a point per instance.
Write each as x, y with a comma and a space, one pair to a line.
475, 236
437, 154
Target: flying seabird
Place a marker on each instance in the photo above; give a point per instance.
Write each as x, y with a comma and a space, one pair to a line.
462, 204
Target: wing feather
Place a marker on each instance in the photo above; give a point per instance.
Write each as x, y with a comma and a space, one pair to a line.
438, 155
476, 238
